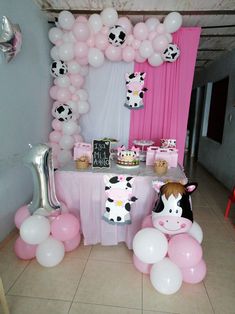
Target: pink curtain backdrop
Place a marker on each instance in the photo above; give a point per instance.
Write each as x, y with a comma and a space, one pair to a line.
166, 103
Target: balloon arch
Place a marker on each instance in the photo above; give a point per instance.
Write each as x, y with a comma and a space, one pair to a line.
79, 42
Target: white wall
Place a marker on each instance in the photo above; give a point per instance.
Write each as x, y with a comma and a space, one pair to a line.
24, 106
219, 159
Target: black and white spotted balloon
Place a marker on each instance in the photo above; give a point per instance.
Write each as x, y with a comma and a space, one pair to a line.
58, 68
117, 35
62, 112
171, 54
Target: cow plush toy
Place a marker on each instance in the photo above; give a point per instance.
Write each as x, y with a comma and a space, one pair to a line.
118, 204
135, 90
172, 213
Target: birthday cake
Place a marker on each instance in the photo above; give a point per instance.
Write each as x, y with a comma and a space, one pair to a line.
128, 158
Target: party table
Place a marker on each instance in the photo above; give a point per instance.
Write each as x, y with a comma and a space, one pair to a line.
83, 191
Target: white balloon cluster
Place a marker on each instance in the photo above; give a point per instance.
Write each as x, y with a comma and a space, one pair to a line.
79, 42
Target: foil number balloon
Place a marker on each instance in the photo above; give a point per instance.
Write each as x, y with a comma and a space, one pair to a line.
39, 160
10, 39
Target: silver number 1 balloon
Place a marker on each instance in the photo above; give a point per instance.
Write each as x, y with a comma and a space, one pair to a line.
39, 160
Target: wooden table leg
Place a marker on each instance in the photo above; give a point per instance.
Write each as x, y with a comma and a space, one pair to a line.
3, 299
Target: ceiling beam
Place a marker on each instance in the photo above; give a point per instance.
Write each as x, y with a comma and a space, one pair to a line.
212, 49
218, 35
143, 12
217, 26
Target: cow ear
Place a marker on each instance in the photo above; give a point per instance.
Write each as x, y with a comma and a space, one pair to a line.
157, 185
191, 187
143, 74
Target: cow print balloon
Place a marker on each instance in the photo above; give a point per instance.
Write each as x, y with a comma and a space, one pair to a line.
62, 112
171, 53
117, 36
58, 68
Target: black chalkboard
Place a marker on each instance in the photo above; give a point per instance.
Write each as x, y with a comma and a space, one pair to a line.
101, 154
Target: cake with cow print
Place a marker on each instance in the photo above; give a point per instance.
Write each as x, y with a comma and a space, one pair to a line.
128, 158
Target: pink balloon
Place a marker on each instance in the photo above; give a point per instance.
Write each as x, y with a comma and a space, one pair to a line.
105, 30
81, 19
73, 243
55, 136
82, 61
55, 148
21, 214
57, 125
160, 43
24, 250
77, 80
126, 24
184, 250
55, 163
141, 266
91, 42
140, 31
81, 31
152, 35
136, 44
63, 94
53, 92
138, 57
147, 222
194, 274
65, 227
161, 29
78, 138
128, 54
113, 53
80, 49
101, 41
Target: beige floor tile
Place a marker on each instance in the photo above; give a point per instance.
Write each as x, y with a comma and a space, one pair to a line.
118, 253
59, 282
10, 266
201, 213
82, 252
219, 256
221, 291
190, 299
157, 312
82, 308
24, 305
216, 232
198, 199
110, 283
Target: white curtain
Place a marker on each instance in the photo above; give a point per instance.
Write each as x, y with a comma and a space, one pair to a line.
107, 117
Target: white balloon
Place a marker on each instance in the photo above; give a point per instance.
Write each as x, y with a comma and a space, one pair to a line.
35, 229
50, 252
155, 59
152, 23
83, 107
109, 17
196, 232
64, 156
73, 106
62, 81
166, 277
73, 67
146, 49
66, 142
95, 57
55, 34
82, 94
172, 22
69, 128
150, 245
66, 52
66, 20
84, 70
95, 22
55, 53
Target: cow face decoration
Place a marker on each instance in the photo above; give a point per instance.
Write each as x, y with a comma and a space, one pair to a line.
172, 213
135, 90
58, 68
171, 54
62, 112
118, 190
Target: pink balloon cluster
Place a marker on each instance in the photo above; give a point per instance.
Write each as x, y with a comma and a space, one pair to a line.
47, 239
182, 261
79, 42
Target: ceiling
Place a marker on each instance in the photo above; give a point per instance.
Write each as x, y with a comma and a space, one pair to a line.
216, 17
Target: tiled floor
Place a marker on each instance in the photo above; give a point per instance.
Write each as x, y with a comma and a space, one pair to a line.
103, 280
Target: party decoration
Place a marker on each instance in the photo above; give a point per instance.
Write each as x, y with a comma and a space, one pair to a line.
172, 213
21, 215
50, 252
10, 39
39, 160
196, 232
128, 158
135, 90
63, 112
141, 266
118, 190
65, 227
171, 54
58, 68
194, 274
24, 250
117, 35
101, 154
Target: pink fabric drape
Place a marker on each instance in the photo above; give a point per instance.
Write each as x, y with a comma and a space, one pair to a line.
166, 103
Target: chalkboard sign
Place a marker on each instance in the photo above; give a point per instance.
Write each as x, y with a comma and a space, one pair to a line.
101, 154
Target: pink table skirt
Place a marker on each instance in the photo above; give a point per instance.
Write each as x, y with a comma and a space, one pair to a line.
83, 193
